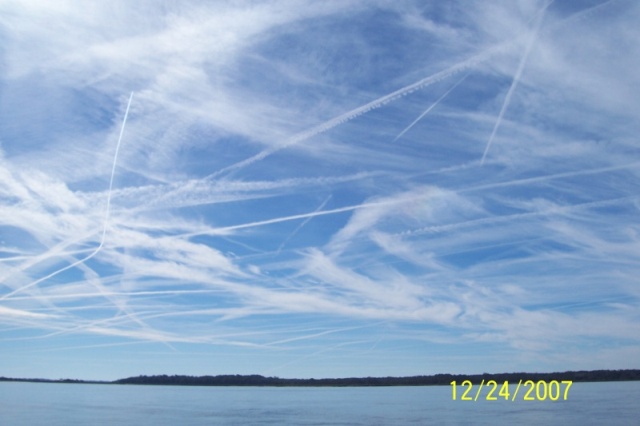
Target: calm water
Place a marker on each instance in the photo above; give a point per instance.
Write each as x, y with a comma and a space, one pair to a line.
615, 403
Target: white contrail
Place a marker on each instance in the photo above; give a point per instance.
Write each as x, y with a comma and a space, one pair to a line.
377, 103
202, 191
511, 217
113, 173
30, 257
122, 306
299, 227
57, 250
322, 333
94, 295
433, 105
514, 83
106, 218
549, 177
225, 229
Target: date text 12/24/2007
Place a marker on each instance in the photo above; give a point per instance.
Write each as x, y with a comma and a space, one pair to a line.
532, 391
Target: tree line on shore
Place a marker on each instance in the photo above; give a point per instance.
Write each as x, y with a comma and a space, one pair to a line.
436, 379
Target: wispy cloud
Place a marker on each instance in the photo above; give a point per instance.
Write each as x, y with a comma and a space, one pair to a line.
514, 83
305, 180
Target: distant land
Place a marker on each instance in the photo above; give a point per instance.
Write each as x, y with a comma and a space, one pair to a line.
437, 379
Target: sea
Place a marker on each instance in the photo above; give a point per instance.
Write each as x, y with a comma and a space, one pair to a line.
58, 404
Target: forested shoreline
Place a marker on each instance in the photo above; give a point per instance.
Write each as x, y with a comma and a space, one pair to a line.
430, 380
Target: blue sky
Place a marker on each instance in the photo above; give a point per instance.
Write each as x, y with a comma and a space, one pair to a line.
318, 189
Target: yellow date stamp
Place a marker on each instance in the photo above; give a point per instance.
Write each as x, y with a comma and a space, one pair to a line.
528, 390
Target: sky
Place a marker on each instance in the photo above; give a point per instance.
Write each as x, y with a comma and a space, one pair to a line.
318, 189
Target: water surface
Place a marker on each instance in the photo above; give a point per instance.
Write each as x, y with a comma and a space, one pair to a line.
54, 404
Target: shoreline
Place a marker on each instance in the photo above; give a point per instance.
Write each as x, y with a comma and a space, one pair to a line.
425, 380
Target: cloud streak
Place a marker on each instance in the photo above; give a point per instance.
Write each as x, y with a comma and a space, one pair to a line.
515, 81
258, 210
104, 227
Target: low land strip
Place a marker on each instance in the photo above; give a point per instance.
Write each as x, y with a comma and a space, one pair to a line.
437, 379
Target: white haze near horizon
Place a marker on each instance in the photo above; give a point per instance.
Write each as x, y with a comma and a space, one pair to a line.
318, 189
